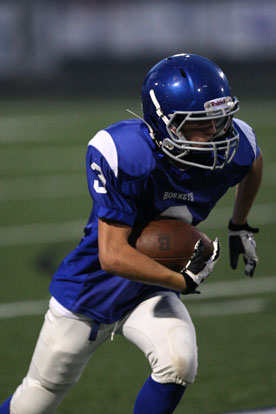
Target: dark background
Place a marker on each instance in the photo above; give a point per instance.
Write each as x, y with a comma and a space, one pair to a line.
104, 49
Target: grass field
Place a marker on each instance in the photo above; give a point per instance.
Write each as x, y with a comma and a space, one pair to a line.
44, 203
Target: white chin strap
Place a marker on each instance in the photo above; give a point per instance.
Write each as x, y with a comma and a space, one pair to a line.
159, 111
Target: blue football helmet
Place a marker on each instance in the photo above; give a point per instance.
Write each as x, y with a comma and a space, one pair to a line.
188, 87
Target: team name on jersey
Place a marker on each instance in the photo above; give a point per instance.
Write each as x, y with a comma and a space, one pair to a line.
178, 196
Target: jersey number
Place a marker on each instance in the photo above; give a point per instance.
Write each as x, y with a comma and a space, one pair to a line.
97, 185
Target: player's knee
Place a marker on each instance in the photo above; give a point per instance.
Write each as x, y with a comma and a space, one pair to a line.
32, 397
185, 366
180, 368
59, 372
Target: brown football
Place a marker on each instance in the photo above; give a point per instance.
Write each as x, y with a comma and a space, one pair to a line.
169, 242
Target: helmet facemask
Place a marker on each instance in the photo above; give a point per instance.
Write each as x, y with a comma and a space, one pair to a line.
210, 155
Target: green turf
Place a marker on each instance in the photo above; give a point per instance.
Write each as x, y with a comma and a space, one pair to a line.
237, 362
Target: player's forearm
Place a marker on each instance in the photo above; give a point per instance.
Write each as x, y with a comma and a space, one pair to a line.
117, 256
247, 191
131, 264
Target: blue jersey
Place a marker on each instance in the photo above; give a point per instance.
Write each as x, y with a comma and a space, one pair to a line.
130, 181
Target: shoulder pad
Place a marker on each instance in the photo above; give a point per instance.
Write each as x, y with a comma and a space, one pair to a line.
127, 147
247, 132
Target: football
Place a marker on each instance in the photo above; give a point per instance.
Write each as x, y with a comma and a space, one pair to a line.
169, 242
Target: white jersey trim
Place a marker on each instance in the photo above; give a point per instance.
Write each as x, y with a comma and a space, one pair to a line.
104, 143
249, 133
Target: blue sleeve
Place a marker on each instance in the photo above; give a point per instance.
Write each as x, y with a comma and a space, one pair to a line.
106, 182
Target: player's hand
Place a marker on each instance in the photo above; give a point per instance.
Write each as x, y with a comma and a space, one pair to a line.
241, 241
198, 269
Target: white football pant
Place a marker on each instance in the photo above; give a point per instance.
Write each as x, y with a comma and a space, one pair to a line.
160, 326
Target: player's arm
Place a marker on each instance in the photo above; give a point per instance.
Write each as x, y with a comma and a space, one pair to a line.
246, 192
241, 239
117, 256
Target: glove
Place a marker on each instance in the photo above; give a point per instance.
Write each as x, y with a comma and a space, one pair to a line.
197, 269
241, 241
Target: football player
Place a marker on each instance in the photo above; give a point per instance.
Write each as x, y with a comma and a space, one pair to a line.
176, 162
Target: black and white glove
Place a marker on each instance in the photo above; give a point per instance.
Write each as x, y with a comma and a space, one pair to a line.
198, 269
241, 241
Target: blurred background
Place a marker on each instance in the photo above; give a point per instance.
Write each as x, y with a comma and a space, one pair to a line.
104, 48
71, 67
